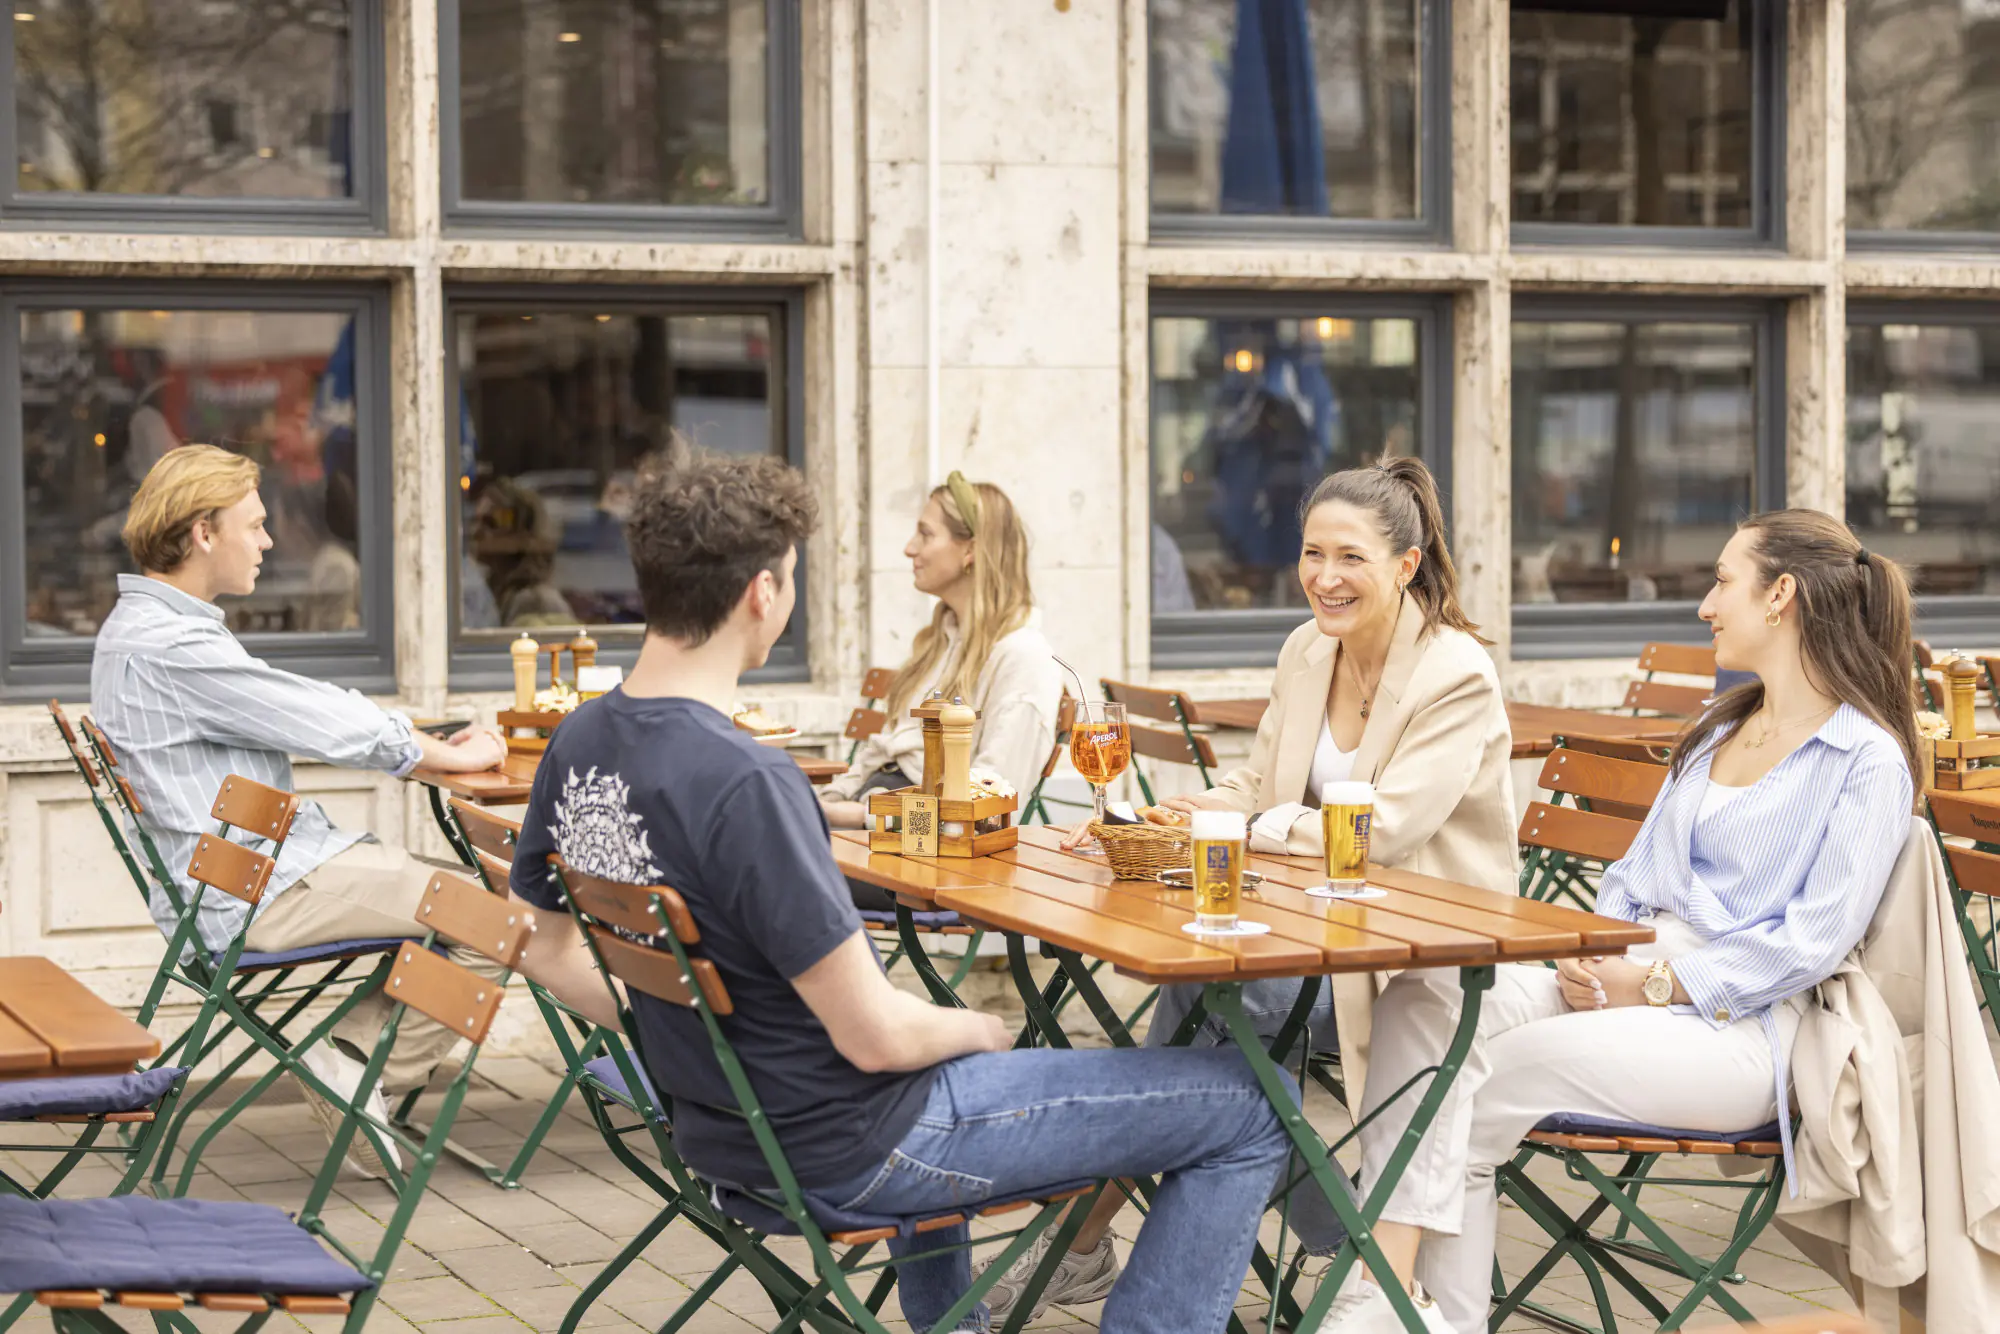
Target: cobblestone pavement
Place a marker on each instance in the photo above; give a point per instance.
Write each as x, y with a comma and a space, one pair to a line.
480, 1260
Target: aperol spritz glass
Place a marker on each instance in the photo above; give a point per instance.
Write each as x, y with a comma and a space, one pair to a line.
1100, 746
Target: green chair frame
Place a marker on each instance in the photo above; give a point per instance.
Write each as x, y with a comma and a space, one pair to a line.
473, 1003
1565, 849
1167, 706
1974, 876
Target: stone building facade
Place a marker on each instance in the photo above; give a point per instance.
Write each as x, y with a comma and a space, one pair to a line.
1149, 268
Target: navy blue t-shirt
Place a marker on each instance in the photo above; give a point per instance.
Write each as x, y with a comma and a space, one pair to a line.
670, 792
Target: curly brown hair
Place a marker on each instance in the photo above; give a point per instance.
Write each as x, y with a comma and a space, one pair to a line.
703, 526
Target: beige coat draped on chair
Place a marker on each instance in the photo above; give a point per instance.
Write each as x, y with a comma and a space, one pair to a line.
1898, 1166
1436, 746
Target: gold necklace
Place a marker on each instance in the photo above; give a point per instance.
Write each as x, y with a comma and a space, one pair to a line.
1354, 675
1771, 731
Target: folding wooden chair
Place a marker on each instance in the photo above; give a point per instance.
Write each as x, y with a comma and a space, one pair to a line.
1974, 875
1179, 744
1037, 805
165, 1256
867, 720
625, 925
1566, 848
1671, 701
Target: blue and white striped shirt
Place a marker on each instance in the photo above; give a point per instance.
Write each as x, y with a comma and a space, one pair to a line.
184, 706
1780, 883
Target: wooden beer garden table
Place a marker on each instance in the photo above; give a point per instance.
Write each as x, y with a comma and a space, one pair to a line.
1073, 905
53, 1025
1535, 726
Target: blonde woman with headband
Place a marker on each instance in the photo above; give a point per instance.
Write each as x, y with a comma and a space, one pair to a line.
984, 645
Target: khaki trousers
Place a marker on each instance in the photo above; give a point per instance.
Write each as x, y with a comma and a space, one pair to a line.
367, 892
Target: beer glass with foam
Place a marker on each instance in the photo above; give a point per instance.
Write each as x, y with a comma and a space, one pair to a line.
1219, 854
1346, 812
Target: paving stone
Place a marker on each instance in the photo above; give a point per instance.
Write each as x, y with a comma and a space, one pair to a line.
546, 1308
427, 1299
499, 1269
565, 1243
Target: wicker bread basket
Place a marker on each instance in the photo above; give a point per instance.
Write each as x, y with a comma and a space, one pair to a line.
1142, 851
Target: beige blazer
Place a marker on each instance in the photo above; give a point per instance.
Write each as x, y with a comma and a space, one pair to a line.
1437, 748
1893, 1075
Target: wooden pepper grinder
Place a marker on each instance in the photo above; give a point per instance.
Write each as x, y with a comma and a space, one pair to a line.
1961, 676
526, 654
933, 742
955, 722
582, 652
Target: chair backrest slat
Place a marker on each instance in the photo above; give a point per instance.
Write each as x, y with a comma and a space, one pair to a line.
62, 723
864, 723
231, 868
494, 835
1598, 777
1604, 838
1142, 701
631, 906
658, 973
1963, 817
1065, 719
459, 910
875, 682
1625, 748
455, 996
101, 742
1976, 872
1669, 701
1157, 743
254, 808
75, 747
1678, 660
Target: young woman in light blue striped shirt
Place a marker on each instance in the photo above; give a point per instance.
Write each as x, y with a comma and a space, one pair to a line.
1759, 867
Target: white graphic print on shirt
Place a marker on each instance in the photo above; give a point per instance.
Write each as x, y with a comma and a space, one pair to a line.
597, 832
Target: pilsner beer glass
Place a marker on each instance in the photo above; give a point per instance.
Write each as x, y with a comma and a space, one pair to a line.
1346, 811
1219, 854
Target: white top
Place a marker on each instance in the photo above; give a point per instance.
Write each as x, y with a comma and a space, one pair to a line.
1714, 796
1330, 763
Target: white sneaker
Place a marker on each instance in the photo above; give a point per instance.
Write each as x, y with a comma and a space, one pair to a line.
342, 1073
1078, 1280
1363, 1308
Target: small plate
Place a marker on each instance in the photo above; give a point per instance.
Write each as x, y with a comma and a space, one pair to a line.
1183, 878
784, 738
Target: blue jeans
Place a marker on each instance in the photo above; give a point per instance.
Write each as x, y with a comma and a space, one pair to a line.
1004, 1124
1266, 1004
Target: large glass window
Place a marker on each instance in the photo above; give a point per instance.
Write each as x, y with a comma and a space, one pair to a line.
194, 105
560, 406
641, 103
1637, 447
1923, 116
1923, 463
1251, 407
105, 391
1304, 109
1639, 121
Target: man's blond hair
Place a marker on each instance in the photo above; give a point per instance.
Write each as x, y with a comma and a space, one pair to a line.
190, 483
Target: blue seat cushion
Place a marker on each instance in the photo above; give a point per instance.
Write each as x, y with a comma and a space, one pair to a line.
926, 921
753, 1212
1569, 1123
85, 1095
135, 1242
605, 1071
336, 949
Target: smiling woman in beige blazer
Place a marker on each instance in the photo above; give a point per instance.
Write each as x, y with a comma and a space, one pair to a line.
1388, 683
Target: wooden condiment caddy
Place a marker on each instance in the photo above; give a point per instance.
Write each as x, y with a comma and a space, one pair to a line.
526, 727
1959, 758
941, 817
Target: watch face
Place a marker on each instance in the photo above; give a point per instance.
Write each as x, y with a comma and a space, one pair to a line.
1659, 988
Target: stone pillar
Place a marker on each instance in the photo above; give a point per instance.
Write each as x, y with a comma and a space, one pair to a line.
1815, 229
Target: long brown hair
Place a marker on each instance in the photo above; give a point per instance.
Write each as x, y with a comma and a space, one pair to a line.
1001, 598
1854, 629
1403, 497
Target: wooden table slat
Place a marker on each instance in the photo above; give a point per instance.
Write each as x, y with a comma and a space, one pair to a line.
80, 1030
1152, 955
21, 1052
1536, 726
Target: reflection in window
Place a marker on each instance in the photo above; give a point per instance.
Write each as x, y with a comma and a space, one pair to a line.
105, 393
559, 410
1248, 415
1304, 109
1923, 467
1632, 121
1923, 116
1635, 451
657, 102
221, 99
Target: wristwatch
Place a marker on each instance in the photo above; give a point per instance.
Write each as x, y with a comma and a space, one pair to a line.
1658, 989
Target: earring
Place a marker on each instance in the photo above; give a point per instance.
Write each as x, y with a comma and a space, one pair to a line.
1771, 617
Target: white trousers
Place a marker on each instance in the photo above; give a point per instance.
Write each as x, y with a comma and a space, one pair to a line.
1532, 1058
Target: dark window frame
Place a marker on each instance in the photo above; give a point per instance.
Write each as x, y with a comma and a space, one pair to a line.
365, 212
1431, 226
1766, 232
779, 219
1211, 639
1947, 619
1621, 629
364, 659
478, 657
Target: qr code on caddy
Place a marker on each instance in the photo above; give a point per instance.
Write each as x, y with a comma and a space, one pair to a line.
920, 822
